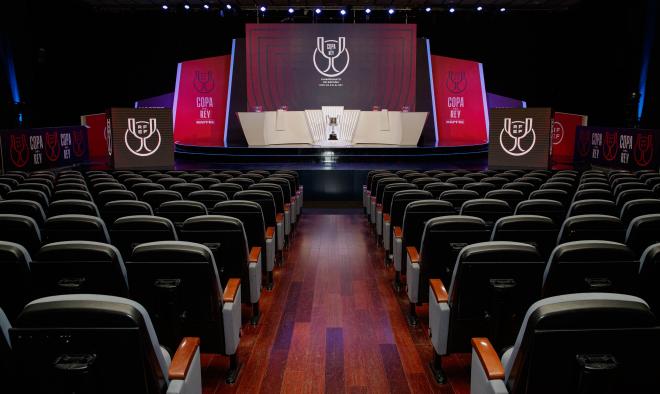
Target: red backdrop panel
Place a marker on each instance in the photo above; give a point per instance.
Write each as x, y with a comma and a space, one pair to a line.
99, 153
563, 136
460, 102
200, 101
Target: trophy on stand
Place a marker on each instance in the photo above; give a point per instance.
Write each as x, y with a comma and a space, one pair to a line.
333, 122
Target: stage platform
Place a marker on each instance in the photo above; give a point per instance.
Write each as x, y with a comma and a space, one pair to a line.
332, 176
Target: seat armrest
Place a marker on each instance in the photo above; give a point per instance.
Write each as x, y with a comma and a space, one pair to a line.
231, 290
183, 358
398, 233
439, 290
255, 252
386, 217
413, 255
279, 217
490, 362
270, 232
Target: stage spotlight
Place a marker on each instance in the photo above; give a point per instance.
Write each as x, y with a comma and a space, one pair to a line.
367, 11
502, 9
342, 12
318, 11
427, 9
452, 10
291, 10
228, 6
390, 11
186, 6
165, 7
480, 8
262, 8
206, 6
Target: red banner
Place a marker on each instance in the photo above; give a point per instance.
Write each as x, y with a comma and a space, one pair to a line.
99, 145
200, 101
461, 114
563, 136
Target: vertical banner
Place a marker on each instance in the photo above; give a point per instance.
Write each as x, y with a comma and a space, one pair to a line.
630, 149
200, 101
98, 137
563, 136
141, 138
35, 149
460, 102
519, 138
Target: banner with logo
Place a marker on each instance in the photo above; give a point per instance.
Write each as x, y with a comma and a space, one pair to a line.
460, 102
563, 136
307, 66
141, 138
98, 137
200, 101
631, 149
519, 138
35, 149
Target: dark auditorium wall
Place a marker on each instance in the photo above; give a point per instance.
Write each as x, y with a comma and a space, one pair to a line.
72, 58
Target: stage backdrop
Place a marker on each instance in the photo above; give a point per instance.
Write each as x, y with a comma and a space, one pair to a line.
461, 113
200, 101
630, 149
306, 66
563, 136
99, 138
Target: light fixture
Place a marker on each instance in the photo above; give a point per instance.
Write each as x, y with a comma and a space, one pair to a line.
318, 11
206, 6
262, 8
502, 9
228, 6
165, 7
480, 8
367, 11
452, 10
427, 9
342, 12
291, 10
186, 6
390, 11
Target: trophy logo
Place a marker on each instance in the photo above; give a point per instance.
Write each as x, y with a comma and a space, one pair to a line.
517, 138
78, 143
18, 152
557, 133
584, 146
204, 82
52, 150
456, 82
107, 134
142, 138
329, 55
643, 153
610, 145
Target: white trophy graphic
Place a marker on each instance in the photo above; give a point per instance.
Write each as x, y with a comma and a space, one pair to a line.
142, 138
516, 132
332, 51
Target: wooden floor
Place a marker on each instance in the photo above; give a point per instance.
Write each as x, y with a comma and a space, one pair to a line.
333, 323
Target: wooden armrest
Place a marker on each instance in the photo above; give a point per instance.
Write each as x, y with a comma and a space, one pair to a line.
488, 357
398, 233
386, 217
286, 207
439, 290
254, 254
183, 358
412, 253
231, 290
279, 218
270, 232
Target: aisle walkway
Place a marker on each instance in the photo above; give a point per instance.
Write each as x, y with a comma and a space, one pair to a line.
333, 324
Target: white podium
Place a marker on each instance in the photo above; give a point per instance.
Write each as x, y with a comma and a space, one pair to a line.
332, 126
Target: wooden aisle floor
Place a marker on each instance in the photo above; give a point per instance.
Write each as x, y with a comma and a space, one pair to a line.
333, 323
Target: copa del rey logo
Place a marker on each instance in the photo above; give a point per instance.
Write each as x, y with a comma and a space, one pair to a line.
142, 138
517, 138
331, 57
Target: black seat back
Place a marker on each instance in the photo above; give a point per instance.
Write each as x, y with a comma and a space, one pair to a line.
643, 232
487, 209
74, 227
635, 208
27, 208
592, 227
65, 207
265, 200
157, 197
179, 211
593, 206
186, 188
548, 208
208, 197
436, 188
120, 208
458, 197
538, 231
129, 231
228, 188
250, 214
16, 289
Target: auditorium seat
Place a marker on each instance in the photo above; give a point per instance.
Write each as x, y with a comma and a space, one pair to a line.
480, 187
16, 288
181, 210
18, 177
168, 182
436, 188
286, 195
263, 173
444, 176
635, 208
622, 187
72, 195
12, 183
652, 181
206, 182
443, 239
383, 222
157, 176
576, 343
27, 208
107, 196
292, 178
594, 185
591, 207
251, 215
458, 197
228, 188
400, 201
178, 284
203, 173
591, 194
186, 188
175, 173
409, 177
78, 267
591, 266
538, 231
208, 197
225, 237
220, 177
4, 189
525, 187
460, 181
188, 177
548, 208
536, 181
102, 186
551, 194
132, 182
233, 173
370, 187
140, 188
65, 207
422, 182
243, 182
110, 339
113, 210
617, 183
37, 187
377, 198
255, 177
73, 227
511, 197
157, 197
489, 210
496, 180
492, 286
592, 227
643, 232
31, 195
129, 231
629, 195
477, 176
277, 196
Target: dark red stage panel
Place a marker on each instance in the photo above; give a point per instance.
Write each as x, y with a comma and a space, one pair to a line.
303, 66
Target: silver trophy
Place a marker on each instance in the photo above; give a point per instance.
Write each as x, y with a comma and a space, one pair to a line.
333, 122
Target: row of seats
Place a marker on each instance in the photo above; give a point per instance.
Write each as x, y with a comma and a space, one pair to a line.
184, 266
482, 270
